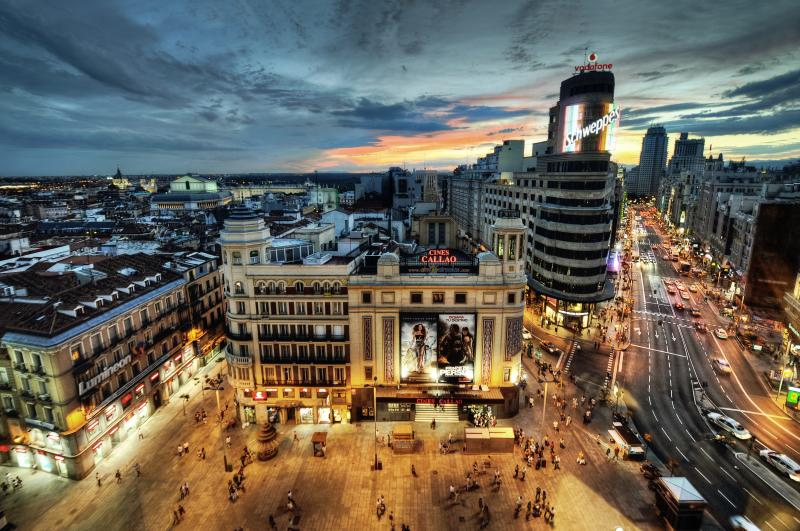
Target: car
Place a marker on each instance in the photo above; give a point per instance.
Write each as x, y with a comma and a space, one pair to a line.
721, 333
695, 312
721, 365
700, 327
685, 295
679, 305
782, 463
551, 348
693, 288
671, 290
742, 523
526, 334
668, 282
728, 424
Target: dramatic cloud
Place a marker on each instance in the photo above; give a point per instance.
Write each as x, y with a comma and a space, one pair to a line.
297, 85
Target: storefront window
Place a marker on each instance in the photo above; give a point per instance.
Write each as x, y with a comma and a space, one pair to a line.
288, 393
324, 414
272, 392
305, 393
307, 415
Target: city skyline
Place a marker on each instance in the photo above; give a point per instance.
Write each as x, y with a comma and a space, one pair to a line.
360, 87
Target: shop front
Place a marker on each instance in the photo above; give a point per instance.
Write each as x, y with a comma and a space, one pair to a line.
411, 404
571, 315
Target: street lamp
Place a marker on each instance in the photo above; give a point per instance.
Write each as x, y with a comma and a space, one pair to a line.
375, 418
217, 389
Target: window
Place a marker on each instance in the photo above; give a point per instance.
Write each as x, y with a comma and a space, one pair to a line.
237, 258
322, 374
416, 298
438, 297
238, 288
8, 403
368, 374
366, 297
506, 374
512, 298
338, 374
461, 298
76, 351
144, 317
240, 308
254, 257
299, 287
31, 410
300, 308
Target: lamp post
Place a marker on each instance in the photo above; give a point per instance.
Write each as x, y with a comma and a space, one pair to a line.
217, 389
375, 418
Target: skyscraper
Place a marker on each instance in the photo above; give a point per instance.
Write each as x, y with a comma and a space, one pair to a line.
652, 163
687, 155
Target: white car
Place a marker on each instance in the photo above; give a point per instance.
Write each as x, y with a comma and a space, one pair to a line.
729, 425
721, 333
742, 523
684, 295
526, 334
782, 462
721, 365
693, 288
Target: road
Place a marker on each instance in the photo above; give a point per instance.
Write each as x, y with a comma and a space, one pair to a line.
667, 376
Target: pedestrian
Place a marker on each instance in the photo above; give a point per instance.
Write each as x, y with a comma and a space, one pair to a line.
289, 496
141, 435
608, 454
517, 506
516, 471
181, 511
497, 477
271, 521
555, 425
175, 517
180, 450
616, 453
137, 469
97, 477
449, 438
452, 491
295, 439
480, 504
556, 463
538, 494
413, 471
186, 487
524, 470
186, 448
228, 441
528, 511
182, 491
561, 443
569, 420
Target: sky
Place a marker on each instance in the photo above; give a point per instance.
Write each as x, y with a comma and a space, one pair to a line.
360, 85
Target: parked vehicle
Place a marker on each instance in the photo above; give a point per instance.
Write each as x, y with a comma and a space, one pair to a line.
679, 306
685, 295
693, 288
526, 334
700, 327
721, 333
551, 348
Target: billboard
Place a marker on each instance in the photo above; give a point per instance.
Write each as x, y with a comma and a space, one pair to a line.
437, 348
587, 127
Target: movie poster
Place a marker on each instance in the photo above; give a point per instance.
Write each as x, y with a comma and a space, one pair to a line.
456, 348
418, 348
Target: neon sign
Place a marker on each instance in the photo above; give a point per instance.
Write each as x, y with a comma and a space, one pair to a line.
609, 119
593, 67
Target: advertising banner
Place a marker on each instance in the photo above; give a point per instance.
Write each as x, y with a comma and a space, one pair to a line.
418, 348
456, 350
589, 127
437, 348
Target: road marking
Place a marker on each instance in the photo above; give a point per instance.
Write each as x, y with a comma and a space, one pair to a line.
657, 350
727, 499
704, 476
784, 417
770, 433
771, 526
684, 455
727, 474
667, 434
690, 435
754, 497
654, 415
702, 450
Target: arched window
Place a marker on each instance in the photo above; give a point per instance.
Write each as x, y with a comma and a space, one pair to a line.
238, 288
299, 287
317, 288
272, 288
281, 287
337, 288
326, 288
261, 288
254, 257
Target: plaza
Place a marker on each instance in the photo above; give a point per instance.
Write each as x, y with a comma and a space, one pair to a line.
336, 492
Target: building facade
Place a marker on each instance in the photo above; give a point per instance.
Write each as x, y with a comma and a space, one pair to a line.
92, 355
652, 163
311, 334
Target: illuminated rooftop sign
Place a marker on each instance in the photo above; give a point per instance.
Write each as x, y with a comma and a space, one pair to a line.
590, 127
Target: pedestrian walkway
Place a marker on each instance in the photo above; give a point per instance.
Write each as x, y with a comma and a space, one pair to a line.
340, 490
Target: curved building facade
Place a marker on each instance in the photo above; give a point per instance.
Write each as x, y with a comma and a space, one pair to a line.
574, 197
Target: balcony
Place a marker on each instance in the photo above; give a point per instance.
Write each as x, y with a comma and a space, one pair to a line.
27, 393
20, 367
238, 361
82, 365
310, 360
39, 370
238, 336
46, 398
306, 383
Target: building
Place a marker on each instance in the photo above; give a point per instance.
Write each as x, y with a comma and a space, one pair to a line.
324, 199
791, 301
309, 332
568, 203
90, 353
676, 198
190, 193
687, 155
652, 163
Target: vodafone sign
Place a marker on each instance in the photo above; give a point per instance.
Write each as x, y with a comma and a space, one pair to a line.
594, 67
